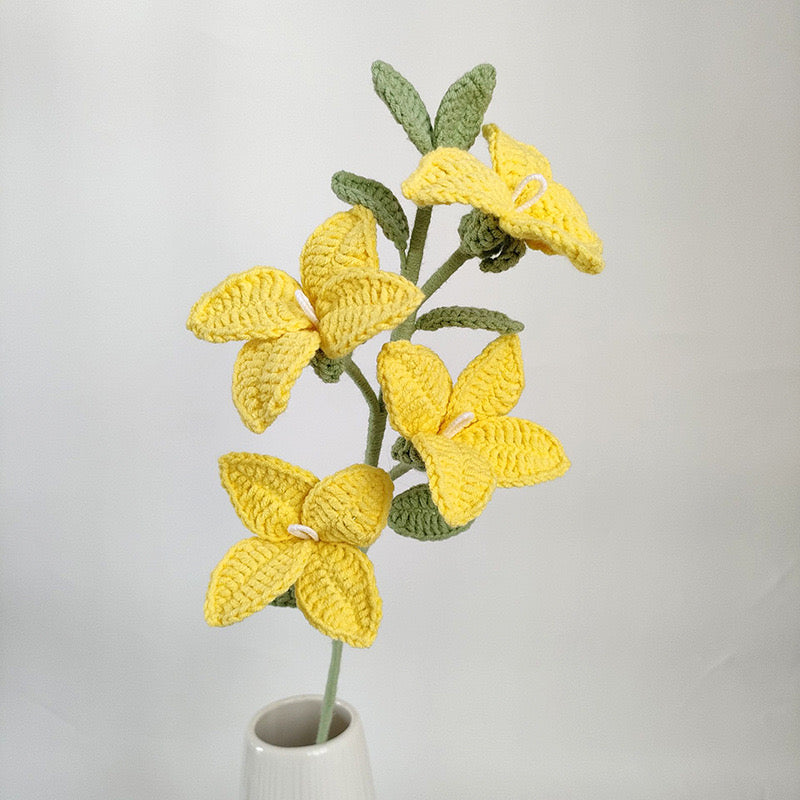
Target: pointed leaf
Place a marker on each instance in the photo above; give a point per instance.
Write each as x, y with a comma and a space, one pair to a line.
460, 114
468, 317
379, 199
414, 514
405, 104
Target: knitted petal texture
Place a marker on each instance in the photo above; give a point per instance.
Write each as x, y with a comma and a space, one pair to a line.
416, 387
257, 304
460, 478
252, 574
519, 452
264, 374
344, 241
337, 594
491, 383
267, 493
350, 506
355, 305
513, 160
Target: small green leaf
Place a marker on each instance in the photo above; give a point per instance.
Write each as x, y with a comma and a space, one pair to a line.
328, 370
468, 317
404, 102
405, 452
286, 600
414, 514
460, 114
379, 199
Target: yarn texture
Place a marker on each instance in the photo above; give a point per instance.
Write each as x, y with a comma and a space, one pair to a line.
554, 223
350, 301
461, 432
334, 583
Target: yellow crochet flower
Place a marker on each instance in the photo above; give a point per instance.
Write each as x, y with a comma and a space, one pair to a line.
461, 432
307, 534
344, 300
519, 191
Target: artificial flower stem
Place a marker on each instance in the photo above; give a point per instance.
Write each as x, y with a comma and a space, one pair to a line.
398, 469
357, 376
416, 246
329, 698
444, 272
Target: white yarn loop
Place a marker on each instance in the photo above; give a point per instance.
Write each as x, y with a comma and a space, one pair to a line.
458, 424
305, 306
303, 531
535, 176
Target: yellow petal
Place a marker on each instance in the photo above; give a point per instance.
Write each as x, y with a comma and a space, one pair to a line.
338, 595
449, 175
556, 224
460, 478
252, 574
265, 373
355, 305
513, 160
344, 241
267, 493
416, 387
257, 304
350, 506
520, 452
491, 383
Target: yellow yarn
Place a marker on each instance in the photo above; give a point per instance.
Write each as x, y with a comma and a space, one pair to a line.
350, 297
333, 579
461, 432
554, 224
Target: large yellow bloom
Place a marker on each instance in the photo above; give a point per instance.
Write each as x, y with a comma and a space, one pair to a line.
307, 535
519, 191
344, 300
461, 432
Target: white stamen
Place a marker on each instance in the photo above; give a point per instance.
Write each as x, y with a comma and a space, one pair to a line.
303, 532
305, 305
458, 424
523, 183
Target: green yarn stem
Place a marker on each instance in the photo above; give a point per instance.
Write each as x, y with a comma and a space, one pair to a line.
357, 376
399, 469
444, 272
419, 234
328, 700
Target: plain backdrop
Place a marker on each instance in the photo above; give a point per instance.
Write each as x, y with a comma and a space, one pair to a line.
629, 631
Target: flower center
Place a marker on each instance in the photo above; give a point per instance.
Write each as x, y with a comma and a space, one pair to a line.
458, 424
535, 176
306, 307
303, 531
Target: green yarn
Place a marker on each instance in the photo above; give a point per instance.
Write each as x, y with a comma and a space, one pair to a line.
285, 600
379, 199
414, 514
328, 370
405, 452
468, 317
511, 251
460, 114
482, 237
405, 105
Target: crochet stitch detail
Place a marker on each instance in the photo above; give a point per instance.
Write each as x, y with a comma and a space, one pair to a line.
415, 515
468, 317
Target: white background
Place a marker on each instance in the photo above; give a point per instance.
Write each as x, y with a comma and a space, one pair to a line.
627, 631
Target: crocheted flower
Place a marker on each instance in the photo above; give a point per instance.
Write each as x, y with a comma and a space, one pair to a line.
307, 534
519, 191
344, 300
461, 432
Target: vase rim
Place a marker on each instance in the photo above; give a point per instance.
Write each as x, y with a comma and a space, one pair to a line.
340, 740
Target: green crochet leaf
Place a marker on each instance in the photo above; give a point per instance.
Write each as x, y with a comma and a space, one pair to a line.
286, 600
414, 514
379, 199
460, 114
328, 370
405, 104
468, 317
511, 251
405, 452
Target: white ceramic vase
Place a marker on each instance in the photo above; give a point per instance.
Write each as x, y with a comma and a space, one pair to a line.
281, 761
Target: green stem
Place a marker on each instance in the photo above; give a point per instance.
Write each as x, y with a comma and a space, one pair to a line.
444, 272
398, 469
357, 376
326, 714
416, 246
